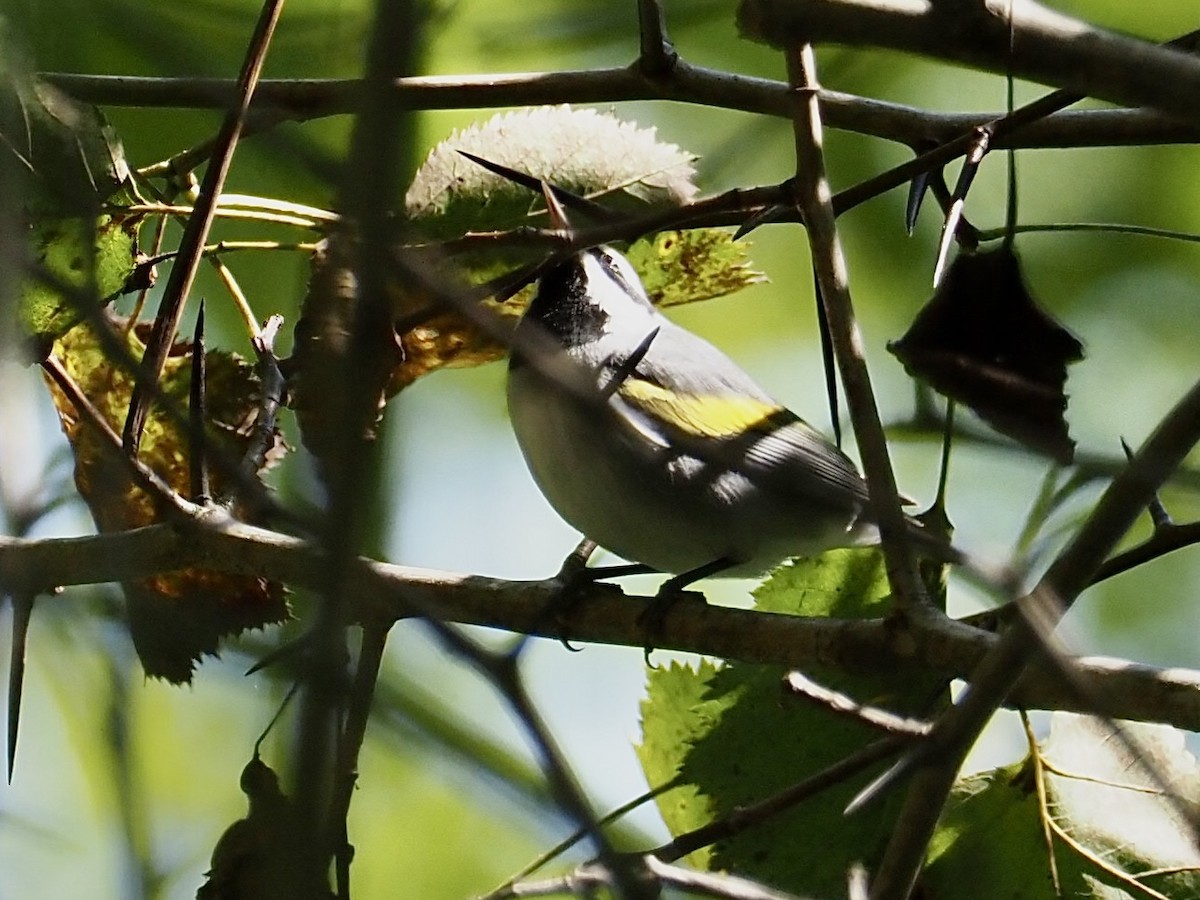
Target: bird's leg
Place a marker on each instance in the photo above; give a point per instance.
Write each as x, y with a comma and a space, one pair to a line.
671, 592
574, 578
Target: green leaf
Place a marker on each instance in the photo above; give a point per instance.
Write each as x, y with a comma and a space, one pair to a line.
582, 150
990, 835
674, 713
737, 738
686, 266
63, 162
93, 256
1116, 821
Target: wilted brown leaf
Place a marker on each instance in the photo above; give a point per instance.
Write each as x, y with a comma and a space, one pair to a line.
177, 618
984, 340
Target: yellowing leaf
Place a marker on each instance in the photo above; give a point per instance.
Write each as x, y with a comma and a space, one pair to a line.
177, 618
686, 266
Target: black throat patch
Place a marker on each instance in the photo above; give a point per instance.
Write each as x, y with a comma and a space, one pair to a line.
562, 308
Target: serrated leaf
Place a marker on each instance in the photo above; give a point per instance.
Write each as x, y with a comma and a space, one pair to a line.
586, 152
718, 743
686, 266
1109, 801
176, 618
673, 715
63, 162
992, 832
582, 150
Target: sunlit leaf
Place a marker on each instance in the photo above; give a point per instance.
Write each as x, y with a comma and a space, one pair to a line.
582, 150
1111, 826
676, 712
63, 161
686, 266
593, 154
95, 257
737, 739
1106, 797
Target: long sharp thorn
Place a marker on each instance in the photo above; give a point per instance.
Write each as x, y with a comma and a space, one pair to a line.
198, 414
1157, 509
567, 198
966, 176
22, 606
948, 229
554, 209
765, 216
917, 189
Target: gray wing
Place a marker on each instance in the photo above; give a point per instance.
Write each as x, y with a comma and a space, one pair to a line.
783, 453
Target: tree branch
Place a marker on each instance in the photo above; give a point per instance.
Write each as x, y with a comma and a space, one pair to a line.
605, 615
1021, 38
304, 99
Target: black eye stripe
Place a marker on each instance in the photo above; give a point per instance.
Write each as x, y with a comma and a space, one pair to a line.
614, 272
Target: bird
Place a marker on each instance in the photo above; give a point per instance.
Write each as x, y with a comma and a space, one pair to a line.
660, 448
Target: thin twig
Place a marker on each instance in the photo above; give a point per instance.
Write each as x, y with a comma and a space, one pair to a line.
183, 272
354, 731
846, 706
571, 840
814, 201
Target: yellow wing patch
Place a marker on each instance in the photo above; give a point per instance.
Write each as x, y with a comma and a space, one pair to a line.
703, 415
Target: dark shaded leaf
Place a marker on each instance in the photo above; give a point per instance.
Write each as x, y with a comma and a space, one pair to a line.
255, 857
984, 341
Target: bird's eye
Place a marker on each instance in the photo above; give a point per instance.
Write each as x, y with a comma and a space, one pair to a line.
616, 271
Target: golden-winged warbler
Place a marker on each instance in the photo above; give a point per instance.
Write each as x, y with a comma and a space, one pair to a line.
671, 455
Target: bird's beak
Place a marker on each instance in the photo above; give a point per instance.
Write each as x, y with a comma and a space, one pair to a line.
558, 215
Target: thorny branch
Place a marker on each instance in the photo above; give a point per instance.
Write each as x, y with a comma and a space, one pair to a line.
213, 540
1047, 47
307, 99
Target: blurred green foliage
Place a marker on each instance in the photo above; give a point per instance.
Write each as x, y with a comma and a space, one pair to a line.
432, 820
